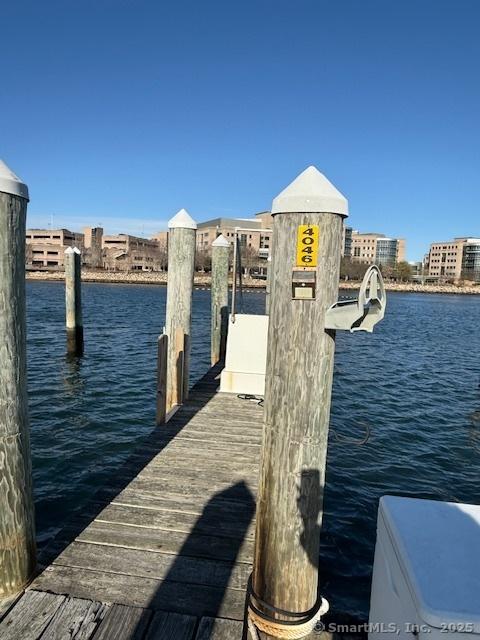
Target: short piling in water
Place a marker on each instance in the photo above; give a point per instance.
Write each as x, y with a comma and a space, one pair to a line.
73, 300
17, 529
219, 298
304, 283
181, 261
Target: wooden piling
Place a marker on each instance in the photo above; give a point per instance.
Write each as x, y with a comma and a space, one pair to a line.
219, 298
73, 300
298, 391
267, 285
17, 529
181, 259
162, 353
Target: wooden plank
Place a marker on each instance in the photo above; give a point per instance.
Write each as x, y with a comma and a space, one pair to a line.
219, 629
161, 566
75, 619
124, 623
162, 378
30, 616
201, 546
171, 626
197, 600
208, 523
242, 491
8, 603
187, 504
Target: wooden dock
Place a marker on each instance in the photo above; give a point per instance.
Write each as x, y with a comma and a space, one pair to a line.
166, 549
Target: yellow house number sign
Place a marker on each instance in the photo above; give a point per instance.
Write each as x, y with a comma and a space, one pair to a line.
307, 245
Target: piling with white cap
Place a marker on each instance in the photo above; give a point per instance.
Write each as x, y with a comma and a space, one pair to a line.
17, 528
181, 260
73, 300
219, 298
307, 240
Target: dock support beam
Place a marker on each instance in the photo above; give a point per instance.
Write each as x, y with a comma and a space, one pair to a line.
17, 528
181, 260
297, 396
219, 296
73, 300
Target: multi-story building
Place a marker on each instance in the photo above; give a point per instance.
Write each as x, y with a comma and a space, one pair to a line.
255, 234
123, 252
376, 248
347, 242
45, 248
455, 259
93, 246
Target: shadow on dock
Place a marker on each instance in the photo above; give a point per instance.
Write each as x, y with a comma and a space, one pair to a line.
148, 448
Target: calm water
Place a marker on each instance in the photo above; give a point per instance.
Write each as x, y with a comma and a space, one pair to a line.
410, 390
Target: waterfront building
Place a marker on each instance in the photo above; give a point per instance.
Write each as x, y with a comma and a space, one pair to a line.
255, 234
123, 252
376, 248
455, 260
347, 242
92, 238
45, 248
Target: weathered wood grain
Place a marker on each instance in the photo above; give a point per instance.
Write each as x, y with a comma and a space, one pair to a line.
167, 541
297, 409
17, 529
219, 629
162, 354
171, 626
219, 301
181, 258
196, 600
124, 623
73, 300
30, 616
157, 565
75, 619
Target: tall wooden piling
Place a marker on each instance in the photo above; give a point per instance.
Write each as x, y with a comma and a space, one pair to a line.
17, 529
73, 300
219, 297
304, 283
181, 260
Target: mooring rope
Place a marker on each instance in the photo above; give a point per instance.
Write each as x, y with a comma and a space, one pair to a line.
303, 623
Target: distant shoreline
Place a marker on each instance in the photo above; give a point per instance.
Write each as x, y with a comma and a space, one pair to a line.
160, 278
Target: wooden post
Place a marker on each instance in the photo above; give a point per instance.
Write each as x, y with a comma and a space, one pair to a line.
219, 295
181, 260
268, 285
162, 379
17, 528
298, 391
73, 300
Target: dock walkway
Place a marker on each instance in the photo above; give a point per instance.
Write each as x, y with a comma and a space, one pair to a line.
166, 549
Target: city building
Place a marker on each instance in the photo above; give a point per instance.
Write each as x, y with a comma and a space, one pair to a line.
45, 248
347, 242
255, 234
93, 237
376, 248
454, 260
123, 252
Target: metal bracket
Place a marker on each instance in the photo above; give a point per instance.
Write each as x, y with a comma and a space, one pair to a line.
360, 314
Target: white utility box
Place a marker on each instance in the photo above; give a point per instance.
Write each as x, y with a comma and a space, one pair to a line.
426, 574
246, 357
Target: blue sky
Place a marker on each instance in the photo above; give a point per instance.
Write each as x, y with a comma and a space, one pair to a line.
121, 112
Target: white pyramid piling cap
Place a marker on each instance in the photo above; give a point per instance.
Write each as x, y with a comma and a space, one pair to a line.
182, 220
72, 250
310, 192
221, 241
10, 183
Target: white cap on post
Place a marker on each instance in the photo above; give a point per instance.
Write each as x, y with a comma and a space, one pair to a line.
72, 250
182, 220
310, 192
221, 241
10, 183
